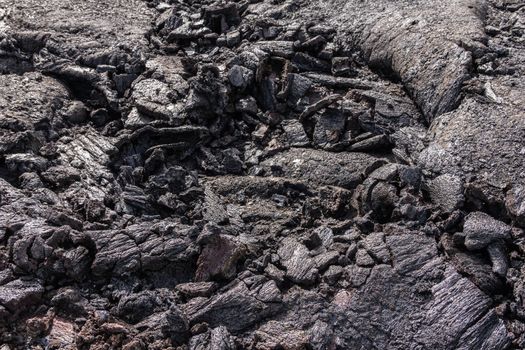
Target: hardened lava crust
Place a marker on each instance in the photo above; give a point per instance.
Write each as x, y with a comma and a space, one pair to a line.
262, 174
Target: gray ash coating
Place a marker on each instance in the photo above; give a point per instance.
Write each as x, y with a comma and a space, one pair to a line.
334, 174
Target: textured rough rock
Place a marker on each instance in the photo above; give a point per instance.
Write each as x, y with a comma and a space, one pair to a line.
481, 230
300, 268
463, 314
336, 174
218, 258
446, 191
398, 37
344, 169
19, 294
238, 308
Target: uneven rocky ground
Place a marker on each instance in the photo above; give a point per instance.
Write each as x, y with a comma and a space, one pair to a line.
262, 174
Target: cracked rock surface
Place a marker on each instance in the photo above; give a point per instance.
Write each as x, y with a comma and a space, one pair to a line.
221, 175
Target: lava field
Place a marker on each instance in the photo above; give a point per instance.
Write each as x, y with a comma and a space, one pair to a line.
262, 174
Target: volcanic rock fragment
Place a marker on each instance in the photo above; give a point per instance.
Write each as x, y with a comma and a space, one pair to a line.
152, 98
197, 289
319, 105
240, 77
218, 258
446, 191
371, 144
329, 128
481, 230
138, 306
300, 268
346, 170
236, 309
20, 294
295, 134
217, 338
219, 17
